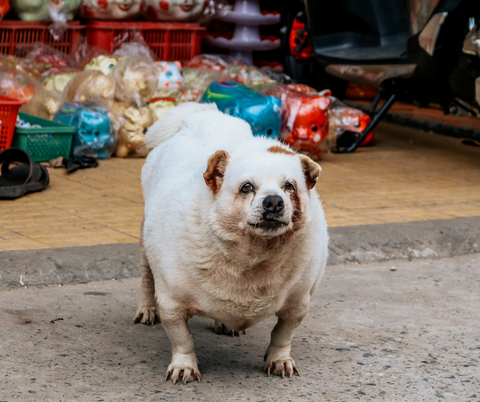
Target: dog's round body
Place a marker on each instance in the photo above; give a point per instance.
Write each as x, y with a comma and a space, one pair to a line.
233, 230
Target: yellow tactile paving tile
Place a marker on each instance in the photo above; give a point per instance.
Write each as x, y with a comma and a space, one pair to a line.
407, 176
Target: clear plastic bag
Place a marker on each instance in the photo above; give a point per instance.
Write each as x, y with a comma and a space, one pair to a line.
57, 81
136, 80
46, 56
101, 63
17, 84
90, 87
196, 83
304, 120
344, 118
95, 136
170, 79
133, 45
44, 104
216, 62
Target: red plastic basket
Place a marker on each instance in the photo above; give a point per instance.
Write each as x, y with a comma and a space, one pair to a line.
8, 116
169, 41
14, 33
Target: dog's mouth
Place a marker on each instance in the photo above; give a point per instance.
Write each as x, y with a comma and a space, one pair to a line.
268, 225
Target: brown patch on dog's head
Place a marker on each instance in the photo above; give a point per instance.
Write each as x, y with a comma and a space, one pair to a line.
311, 170
277, 149
217, 164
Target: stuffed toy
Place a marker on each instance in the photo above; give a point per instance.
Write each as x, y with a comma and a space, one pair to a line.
261, 112
131, 136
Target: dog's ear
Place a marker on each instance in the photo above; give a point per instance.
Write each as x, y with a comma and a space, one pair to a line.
217, 164
311, 170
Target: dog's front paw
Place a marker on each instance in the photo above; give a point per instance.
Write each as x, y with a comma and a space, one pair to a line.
183, 368
220, 329
279, 362
147, 315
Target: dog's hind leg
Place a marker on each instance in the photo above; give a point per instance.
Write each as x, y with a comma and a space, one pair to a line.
147, 312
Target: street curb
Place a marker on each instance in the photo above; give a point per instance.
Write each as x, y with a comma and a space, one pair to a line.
348, 244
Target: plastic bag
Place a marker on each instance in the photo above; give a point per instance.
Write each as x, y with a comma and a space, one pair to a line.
185, 10
261, 112
57, 82
133, 45
102, 63
131, 136
83, 53
95, 136
44, 104
16, 84
111, 10
216, 62
160, 106
344, 118
304, 120
46, 57
135, 79
91, 87
249, 76
170, 79
196, 83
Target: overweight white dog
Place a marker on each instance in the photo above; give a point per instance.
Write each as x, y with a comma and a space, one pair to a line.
233, 230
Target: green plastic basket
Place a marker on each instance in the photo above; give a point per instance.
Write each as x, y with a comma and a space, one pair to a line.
43, 144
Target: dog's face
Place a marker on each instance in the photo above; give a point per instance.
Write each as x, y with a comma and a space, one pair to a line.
264, 194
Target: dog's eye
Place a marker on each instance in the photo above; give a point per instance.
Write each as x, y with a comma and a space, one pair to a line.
246, 188
289, 186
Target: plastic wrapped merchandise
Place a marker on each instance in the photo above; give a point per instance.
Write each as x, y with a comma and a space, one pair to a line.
101, 63
46, 10
92, 87
135, 47
44, 104
215, 62
46, 56
111, 10
196, 83
95, 136
136, 80
160, 106
343, 118
170, 79
261, 112
304, 121
249, 76
16, 84
131, 136
57, 82
27, 66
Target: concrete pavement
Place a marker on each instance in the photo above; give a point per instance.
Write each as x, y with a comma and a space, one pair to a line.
372, 333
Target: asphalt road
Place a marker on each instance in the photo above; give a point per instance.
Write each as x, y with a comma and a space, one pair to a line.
372, 333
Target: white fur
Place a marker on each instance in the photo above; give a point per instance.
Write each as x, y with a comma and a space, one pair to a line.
199, 267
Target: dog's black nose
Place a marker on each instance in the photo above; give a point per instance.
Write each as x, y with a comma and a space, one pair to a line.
273, 204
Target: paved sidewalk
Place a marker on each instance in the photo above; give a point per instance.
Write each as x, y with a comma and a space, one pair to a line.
407, 176
371, 334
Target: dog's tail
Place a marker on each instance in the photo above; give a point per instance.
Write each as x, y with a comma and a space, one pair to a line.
173, 122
